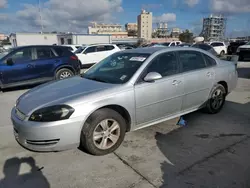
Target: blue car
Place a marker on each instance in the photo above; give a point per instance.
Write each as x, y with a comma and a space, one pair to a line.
37, 64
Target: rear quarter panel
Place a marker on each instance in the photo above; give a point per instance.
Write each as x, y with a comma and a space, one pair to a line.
226, 71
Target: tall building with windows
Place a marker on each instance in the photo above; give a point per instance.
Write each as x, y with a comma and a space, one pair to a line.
144, 21
214, 28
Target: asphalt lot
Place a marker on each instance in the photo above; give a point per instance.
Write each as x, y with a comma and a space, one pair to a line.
212, 151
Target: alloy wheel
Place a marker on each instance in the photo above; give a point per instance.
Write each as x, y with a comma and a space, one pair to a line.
217, 99
106, 134
65, 74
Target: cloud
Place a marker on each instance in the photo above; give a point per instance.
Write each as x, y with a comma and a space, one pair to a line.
166, 17
191, 3
3, 3
74, 15
230, 6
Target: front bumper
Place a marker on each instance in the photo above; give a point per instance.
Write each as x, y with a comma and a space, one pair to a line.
49, 136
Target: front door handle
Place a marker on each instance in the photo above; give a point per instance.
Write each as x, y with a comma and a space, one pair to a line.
209, 74
31, 66
176, 82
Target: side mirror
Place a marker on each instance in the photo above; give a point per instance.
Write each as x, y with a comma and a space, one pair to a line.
9, 62
152, 76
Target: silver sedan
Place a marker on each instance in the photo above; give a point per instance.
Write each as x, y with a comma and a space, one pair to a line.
127, 91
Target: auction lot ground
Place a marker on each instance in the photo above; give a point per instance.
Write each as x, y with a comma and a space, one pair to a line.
212, 151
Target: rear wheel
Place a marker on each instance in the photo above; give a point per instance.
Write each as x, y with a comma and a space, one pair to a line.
64, 73
241, 58
222, 53
216, 99
103, 132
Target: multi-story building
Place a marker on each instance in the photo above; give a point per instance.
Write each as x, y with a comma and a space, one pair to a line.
175, 32
144, 21
214, 28
115, 30
3, 37
131, 27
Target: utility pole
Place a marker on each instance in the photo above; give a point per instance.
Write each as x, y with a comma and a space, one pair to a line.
40, 14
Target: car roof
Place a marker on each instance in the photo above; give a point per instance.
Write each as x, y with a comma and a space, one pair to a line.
152, 50
101, 44
30, 46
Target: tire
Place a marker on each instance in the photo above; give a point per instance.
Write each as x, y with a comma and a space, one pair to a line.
64, 71
241, 58
222, 53
210, 107
93, 125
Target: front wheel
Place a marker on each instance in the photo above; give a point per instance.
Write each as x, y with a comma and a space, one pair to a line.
216, 99
103, 132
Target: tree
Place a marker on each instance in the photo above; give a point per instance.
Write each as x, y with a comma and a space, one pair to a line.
186, 36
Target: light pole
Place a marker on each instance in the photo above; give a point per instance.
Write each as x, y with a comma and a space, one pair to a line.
40, 14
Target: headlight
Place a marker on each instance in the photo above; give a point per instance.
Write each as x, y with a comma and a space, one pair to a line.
52, 113
238, 50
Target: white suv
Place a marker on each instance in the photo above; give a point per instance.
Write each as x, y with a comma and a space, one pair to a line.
219, 47
91, 54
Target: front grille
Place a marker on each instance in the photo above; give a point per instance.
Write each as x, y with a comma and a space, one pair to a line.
43, 142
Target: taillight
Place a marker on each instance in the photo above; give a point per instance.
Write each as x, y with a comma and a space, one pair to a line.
74, 57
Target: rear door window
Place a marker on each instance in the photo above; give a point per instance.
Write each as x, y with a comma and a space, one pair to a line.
100, 48
209, 61
91, 49
191, 60
109, 47
44, 53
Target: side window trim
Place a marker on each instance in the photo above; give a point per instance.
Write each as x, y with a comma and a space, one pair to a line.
140, 77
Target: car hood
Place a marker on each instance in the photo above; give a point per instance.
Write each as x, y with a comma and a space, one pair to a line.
58, 92
245, 46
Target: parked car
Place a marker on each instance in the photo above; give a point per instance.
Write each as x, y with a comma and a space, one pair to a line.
184, 45
205, 47
36, 64
92, 54
127, 91
219, 47
233, 46
243, 51
72, 48
173, 43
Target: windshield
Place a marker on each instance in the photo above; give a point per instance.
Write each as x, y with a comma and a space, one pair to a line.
5, 53
248, 43
80, 50
117, 68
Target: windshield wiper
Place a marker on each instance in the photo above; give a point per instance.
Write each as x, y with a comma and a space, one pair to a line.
95, 79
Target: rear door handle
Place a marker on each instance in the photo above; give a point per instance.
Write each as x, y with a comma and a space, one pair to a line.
176, 82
